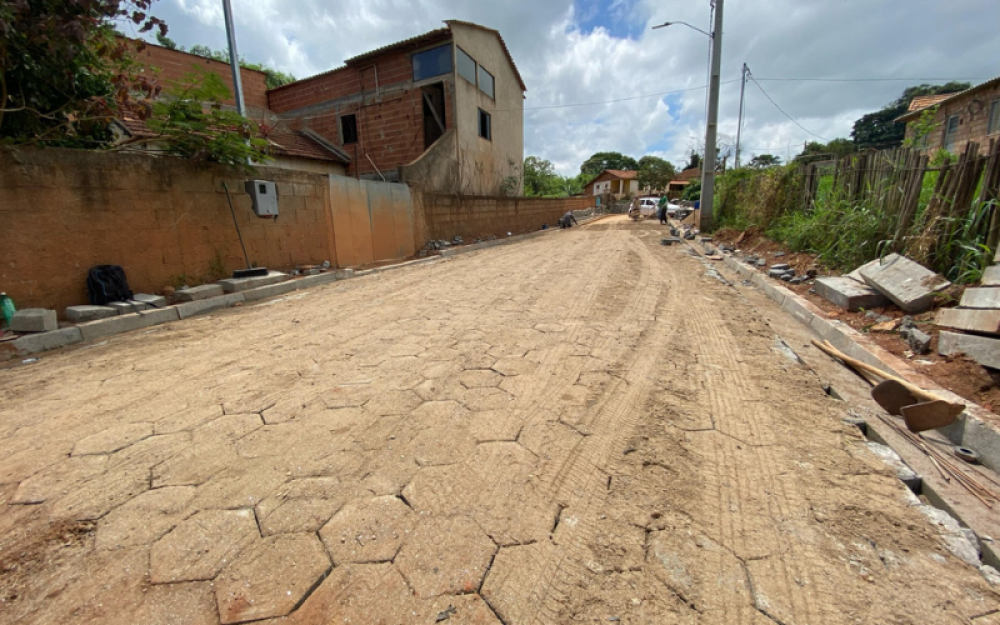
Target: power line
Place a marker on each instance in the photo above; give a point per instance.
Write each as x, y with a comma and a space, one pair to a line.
792, 119
867, 79
638, 97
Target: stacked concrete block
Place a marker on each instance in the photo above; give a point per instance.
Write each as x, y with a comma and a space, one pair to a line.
197, 293
83, 314
849, 294
34, 320
975, 323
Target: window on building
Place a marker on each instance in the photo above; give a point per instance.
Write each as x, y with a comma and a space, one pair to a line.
950, 132
485, 129
431, 63
466, 65
486, 82
349, 128
994, 127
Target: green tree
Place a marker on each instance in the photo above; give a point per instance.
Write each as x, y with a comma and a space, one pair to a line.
192, 123
694, 161
692, 192
539, 177
763, 161
655, 173
607, 160
881, 130
272, 78
166, 42
64, 75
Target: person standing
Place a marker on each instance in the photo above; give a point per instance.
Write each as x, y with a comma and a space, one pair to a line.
661, 212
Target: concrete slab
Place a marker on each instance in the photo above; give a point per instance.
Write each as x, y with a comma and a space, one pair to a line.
856, 274
197, 293
199, 307
83, 314
124, 308
985, 351
910, 285
125, 323
155, 301
235, 285
970, 319
34, 343
981, 298
849, 294
34, 320
991, 277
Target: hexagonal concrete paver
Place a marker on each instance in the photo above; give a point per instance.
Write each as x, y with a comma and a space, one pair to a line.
243, 484
477, 360
190, 603
195, 465
229, 428
393, 403
442, 444
94, 498
113, 439
487, 399
456, 610
145, 518
511, 367
444, 491
59, 479
369, 594
480, 378
440, 413
444, 389
187, 419
270, 577
495, 425
367, 530
198, 548
445, 556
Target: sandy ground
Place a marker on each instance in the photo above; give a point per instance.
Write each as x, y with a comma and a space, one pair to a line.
580, 428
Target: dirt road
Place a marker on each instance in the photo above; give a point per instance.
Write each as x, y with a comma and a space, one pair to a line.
581, 428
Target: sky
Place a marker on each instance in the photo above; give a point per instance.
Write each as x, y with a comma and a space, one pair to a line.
600, 79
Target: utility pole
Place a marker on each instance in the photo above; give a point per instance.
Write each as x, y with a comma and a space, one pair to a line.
711, 130
739, 123
234, 58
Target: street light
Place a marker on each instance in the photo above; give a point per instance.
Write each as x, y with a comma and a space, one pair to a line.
711, 127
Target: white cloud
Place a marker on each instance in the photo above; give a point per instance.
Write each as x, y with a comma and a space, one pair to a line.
563, 63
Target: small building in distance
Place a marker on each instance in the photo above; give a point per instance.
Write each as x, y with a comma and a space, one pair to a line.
958, 118
618, 183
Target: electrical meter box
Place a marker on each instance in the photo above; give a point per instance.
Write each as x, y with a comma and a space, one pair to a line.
264, 195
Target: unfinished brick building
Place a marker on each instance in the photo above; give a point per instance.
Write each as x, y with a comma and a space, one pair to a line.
443, 110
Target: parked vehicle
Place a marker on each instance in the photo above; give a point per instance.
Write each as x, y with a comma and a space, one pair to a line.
643, 207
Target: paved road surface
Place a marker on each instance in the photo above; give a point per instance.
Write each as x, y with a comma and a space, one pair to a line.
580, 428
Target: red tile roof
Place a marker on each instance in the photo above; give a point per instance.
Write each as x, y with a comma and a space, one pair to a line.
623, 174
304, 145
690, 174
923, 101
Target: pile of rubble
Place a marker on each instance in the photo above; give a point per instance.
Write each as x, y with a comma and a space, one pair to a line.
436, 245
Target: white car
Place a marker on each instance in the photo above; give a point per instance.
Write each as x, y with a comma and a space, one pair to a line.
644, 207
673, 209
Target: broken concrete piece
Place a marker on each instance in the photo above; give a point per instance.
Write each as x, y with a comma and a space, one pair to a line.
970, 320
234, 285
905, 474
920, 342
199, 292
155, 301
981, 298
82, 314
34, 320
909, 285
856, 274
984, 350
849, 294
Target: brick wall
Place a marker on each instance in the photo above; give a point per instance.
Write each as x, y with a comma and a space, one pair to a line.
162, 219
174, 64
471, 217
381, 93
971, 127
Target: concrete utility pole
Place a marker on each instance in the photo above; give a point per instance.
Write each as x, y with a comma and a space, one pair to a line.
711, 129
234, 58
739, 122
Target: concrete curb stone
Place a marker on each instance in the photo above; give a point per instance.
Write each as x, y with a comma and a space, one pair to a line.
190, 309
126, 323
34, 343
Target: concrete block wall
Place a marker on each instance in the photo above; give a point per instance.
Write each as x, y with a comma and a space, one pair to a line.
443, 217
163, 219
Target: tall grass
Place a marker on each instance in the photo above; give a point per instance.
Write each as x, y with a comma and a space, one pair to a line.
846, 233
